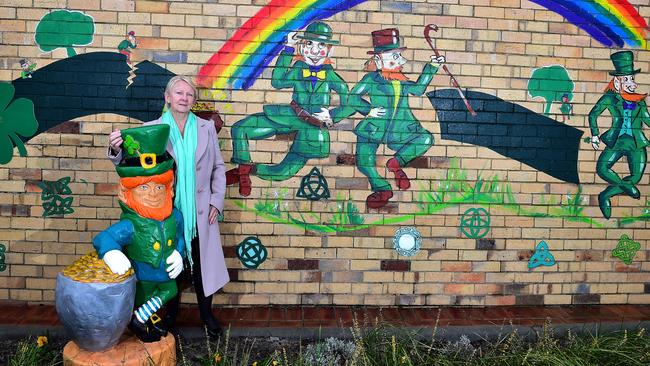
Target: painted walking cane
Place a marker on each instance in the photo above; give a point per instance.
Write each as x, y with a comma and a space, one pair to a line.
454, 83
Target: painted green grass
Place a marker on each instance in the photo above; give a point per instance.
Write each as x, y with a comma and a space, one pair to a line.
453, 190
645, 216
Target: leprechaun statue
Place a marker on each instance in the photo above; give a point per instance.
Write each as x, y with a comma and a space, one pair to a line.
149, 235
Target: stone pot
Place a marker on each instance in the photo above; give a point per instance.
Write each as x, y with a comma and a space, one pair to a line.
94, 314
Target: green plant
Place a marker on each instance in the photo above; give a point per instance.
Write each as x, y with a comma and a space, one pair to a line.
346, 213
573, 207
273, 203
35, 352
453, 190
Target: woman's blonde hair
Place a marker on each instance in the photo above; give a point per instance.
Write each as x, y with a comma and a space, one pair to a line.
177, 78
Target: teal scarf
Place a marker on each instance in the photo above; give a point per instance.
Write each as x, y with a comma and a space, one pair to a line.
184, 149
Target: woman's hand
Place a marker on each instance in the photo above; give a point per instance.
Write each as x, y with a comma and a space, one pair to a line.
212, 217
115, 140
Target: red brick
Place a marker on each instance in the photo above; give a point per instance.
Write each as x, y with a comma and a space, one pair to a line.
302, 264
456, 267
395, 265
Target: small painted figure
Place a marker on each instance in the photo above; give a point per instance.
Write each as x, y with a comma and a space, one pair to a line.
389, 119
28, 68
312, 79
127, 44
566, 108
149, 235
624, 138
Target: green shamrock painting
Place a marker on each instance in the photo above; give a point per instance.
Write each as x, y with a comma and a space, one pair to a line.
16, 118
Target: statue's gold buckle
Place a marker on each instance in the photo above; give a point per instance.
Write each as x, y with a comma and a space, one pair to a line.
148, 160
154, 318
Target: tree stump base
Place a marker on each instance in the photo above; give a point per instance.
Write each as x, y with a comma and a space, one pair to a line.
129, 351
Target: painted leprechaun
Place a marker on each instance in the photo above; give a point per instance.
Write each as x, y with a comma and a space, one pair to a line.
629, 113
312, 79
149, 235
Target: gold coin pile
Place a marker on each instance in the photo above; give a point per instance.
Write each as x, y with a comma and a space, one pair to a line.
90, 268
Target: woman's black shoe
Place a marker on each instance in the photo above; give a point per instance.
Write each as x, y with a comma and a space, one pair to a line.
212, 326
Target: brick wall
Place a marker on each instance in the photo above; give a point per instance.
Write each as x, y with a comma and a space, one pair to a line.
336, 250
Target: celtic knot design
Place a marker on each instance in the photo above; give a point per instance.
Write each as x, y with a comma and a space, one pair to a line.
313, 186
475, 223
251, 252
407, 241
53, 202
626, 249
541, 257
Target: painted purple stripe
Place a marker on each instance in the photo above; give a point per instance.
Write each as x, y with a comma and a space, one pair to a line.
578, 21
254, 65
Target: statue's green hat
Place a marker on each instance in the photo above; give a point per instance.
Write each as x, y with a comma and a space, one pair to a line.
144, 152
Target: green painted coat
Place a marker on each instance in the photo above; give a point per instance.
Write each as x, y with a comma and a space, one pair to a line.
310, 141
613, 102
398, 122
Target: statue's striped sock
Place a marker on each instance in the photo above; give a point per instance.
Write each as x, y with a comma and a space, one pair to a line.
144, 312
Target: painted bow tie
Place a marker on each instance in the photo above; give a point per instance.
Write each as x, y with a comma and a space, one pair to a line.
627, 105
317, 74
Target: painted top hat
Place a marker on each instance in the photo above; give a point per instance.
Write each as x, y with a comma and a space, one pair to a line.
318, 32
623, 63
385, 40
144, 151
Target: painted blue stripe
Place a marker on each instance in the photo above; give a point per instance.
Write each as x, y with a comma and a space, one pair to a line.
253, 67
610, 21
582, 20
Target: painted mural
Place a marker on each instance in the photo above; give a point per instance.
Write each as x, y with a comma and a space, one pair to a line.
17, 122
295, 44
389, 120
625, 137
613, 23
308, 115
554, 85
64, 29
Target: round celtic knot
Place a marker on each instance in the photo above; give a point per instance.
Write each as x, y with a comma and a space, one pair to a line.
251, 252
626, 249
313, 186
407, 241
475, 223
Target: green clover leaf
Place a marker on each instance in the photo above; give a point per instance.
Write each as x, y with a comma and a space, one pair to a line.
16, 118
131, 145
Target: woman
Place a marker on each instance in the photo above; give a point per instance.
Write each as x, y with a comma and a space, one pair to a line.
199, 193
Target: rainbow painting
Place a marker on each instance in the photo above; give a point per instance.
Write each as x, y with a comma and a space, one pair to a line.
249, 51
243, 57
613, 23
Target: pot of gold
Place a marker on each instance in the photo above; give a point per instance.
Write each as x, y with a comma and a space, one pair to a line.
94, 304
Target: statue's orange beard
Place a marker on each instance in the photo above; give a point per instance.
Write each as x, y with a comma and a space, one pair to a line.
149, 212
128, 184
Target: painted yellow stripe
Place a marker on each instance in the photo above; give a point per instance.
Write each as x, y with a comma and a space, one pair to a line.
222, 79
640, 35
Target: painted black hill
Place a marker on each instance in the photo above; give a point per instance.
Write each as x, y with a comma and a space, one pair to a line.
93, 83
510, 130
